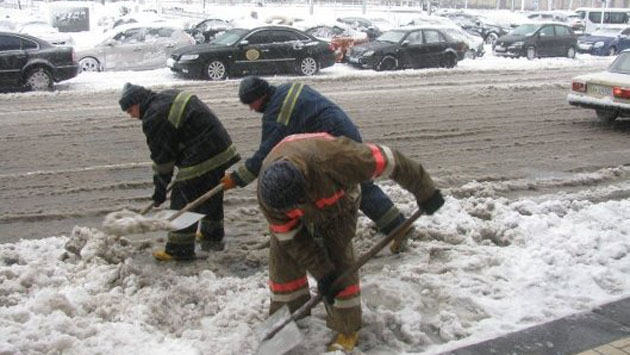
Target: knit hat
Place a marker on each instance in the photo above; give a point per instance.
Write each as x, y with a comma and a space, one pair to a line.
281, 185
131, 95
252, 88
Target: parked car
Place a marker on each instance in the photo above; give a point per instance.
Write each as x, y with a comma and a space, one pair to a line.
409, 47
476, 24
607, 92
134, 47
605, 41
206, 30
363, 25
475, 43
261, 50
534, 40
31, 63
340, 35
43, 30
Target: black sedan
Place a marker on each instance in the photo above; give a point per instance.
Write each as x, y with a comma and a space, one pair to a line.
34, 64
535, 40
262, 50
413, 47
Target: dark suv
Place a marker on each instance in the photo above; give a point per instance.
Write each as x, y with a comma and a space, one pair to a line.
535, 40
34, 64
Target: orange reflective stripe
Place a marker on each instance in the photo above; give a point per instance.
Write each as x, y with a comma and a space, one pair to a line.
298, 212
350, 291
288, 286
283, 228
327, 201
379, 160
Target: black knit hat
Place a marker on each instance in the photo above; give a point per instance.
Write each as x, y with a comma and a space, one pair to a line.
131, 95
252, 88
282, 185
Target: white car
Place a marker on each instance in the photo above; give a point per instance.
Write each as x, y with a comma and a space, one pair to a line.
607, 92
134, 47
43, 30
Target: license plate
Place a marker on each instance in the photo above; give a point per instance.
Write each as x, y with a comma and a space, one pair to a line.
601, 90
170, 62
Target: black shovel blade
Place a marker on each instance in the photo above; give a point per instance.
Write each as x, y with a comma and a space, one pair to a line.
288, 337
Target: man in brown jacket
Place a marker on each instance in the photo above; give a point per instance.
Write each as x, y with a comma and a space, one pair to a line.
309, 192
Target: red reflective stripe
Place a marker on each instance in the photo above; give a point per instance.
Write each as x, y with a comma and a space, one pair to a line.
288, 286
298, 212
349, 291
327, 201
379, 159
283, 228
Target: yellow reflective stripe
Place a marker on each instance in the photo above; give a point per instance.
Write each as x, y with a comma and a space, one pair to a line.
347, 303
177, 109
181, 238
216, 161
163, 169
289, 103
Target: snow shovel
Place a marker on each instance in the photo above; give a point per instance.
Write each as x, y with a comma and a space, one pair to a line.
279, 333
183, 218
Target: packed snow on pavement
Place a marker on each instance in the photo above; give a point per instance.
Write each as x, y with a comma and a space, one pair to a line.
484, 265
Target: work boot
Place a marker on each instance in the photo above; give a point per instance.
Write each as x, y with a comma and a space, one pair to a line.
344, 342
399, 245
176, 252
212, 245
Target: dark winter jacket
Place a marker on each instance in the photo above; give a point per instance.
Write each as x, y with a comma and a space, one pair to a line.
182, 131
333, 168
295, 108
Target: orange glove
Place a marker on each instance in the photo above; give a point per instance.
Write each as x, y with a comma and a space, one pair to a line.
228, 182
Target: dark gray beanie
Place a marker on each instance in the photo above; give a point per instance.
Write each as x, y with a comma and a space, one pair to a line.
282, 185
131, 95
252, 88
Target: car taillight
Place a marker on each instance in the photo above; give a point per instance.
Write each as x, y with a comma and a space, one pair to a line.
621, 93
578, 86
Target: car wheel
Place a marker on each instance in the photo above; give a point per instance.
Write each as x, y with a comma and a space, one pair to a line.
216, 70
308, 66
571, 53
448, 61
387, 63
612, 51
491, 38
39, 79
531, 52
606, 116
89, 64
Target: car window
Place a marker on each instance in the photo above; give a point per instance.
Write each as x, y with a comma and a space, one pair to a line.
260, 37
431, 36
27, 44
561, 31
9, 43
133, 35
154, 34
547, 31
621, 64
414, 37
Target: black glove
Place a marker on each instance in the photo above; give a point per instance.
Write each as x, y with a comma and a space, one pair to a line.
159, 194
433, 203
324, 286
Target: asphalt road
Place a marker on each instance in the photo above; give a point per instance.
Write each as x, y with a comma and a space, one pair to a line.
68, 158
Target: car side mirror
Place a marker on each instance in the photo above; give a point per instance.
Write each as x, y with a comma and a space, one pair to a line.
243, 43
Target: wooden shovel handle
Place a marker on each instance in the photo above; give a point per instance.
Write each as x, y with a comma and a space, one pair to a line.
201, 199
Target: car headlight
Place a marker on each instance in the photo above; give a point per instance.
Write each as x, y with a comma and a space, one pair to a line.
598, 44
368, 53
189, 57
517, 44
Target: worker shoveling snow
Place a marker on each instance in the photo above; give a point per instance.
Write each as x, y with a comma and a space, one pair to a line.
127, 222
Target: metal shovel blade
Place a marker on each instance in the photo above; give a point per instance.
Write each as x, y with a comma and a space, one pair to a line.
284, 340
183, 221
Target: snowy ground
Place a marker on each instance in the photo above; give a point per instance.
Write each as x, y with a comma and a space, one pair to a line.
507, 251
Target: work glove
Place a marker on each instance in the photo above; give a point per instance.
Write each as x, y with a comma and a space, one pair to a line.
159, 194
228, 182
433, 203
324, 287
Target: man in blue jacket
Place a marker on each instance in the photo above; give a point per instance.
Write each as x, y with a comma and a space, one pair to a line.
297, 108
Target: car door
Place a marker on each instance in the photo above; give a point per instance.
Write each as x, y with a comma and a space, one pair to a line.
125, 50
433, 48
565, 40
159, 43
12, 60
623, 42
254, 52
413, 51
287, 48
547, 41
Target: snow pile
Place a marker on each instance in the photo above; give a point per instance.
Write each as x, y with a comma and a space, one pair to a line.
127, 222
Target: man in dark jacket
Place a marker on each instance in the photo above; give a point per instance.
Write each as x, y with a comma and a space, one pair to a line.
298, 108
183, 132
309, 192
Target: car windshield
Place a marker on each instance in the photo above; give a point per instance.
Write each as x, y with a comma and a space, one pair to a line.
391, 36
621, 64
524, 30
606, 32
230, 37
